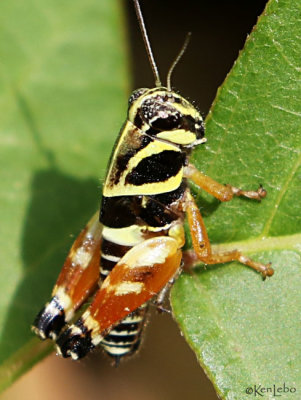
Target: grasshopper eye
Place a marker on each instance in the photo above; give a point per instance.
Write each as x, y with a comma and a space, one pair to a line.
136, 94
199, 129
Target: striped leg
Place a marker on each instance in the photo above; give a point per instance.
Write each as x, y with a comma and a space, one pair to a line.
138, 276
76, 282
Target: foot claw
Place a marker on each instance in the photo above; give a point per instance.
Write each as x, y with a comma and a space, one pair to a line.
261, 192
268, 271
162, 309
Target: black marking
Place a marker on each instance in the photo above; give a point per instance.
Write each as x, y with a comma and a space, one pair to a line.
158, 210
113, 249
112, 339
156, 168
167, 123
160, 115
132, 145
107, 265
142, 274
156, 214
132, 142
170, 197
190, 124
138, 121
126, 326
124, 211
176, 99
47, 322
119, 211
79, 344
129, 342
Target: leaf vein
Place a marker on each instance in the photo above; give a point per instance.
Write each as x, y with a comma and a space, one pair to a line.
281, 194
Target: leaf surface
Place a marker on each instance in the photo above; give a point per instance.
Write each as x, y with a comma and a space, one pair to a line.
63, 79
244, 331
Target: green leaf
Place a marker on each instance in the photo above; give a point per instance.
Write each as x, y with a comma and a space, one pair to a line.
63, 79
246, 331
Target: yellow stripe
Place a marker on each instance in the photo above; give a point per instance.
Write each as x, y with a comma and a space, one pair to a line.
128, 287
147, 189
128, 236
128, 126
179, 136
187, 109
122, 189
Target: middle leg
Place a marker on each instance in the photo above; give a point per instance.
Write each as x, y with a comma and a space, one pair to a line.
202, 247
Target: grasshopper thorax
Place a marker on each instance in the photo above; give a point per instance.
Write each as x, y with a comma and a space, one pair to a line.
165, 115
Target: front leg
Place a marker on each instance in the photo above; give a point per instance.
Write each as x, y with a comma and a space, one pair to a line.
221, 192
202, 245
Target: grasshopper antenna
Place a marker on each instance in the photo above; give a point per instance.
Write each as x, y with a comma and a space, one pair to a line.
147, 43
177, 59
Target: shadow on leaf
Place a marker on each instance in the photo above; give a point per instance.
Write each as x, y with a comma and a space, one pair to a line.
60, 207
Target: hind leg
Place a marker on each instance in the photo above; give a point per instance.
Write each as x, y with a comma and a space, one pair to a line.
76, 282
139, 275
